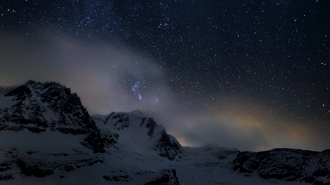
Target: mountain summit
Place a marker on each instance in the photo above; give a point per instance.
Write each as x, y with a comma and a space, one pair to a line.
39, 107
138, 133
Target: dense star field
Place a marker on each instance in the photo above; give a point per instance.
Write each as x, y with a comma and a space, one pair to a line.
247, 74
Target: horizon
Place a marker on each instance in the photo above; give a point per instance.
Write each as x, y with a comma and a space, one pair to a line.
182, 141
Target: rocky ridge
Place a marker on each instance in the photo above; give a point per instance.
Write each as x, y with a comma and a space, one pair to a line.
143, 132
47, 106
37, 106
287, 164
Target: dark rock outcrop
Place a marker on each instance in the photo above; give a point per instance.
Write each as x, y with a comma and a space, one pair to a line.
166, 177
168, 146
287, 164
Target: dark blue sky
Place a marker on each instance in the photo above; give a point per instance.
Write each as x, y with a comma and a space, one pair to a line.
263, 59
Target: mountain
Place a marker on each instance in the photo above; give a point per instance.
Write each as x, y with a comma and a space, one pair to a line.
139, 133
38, 107
48, 137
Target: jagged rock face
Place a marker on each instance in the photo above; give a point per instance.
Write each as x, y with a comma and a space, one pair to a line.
108, 138
38, 106
166, 177
122, 120
287, 164
143, 131
38, 164
168, 146
47, 106
163, 177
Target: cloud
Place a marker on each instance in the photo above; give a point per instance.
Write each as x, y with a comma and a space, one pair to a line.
102, 75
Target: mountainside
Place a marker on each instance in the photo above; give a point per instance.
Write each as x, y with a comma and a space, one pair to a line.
287, 164
140, 133
38, 107
46, 133
48, 137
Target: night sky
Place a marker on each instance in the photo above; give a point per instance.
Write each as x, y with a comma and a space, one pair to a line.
252, 75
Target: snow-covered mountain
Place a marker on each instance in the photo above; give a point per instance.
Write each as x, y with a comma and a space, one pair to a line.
39, 107
139, 134
48, 137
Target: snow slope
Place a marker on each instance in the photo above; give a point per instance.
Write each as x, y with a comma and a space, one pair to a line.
139, 134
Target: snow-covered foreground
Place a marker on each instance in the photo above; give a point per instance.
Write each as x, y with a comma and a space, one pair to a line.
198, 167
214, 165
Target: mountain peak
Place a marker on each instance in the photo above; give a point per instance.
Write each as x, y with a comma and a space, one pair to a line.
39, 107
46, 105
140, 133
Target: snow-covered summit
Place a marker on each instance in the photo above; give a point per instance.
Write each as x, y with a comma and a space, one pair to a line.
44, 105
140, 134
40, 107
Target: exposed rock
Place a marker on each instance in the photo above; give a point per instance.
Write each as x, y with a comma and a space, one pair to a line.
122, 120
108, 138
122, 178
167, 146
135, 126
166, 177
34, 169
287, 164
7, 177
38, 107
47, 105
